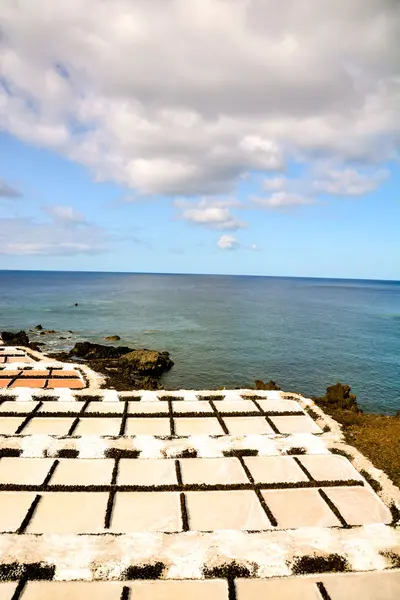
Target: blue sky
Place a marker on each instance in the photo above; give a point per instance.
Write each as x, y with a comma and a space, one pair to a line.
225, 161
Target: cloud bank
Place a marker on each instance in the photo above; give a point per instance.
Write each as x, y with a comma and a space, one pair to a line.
171, 97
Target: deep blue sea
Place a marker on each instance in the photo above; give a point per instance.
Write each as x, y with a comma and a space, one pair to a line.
224, 330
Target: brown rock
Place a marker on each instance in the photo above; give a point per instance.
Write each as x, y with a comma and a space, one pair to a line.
148, 362
270, 385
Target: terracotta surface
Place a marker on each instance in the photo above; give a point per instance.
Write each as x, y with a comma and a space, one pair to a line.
8, 373
28, 373
73, 384
64, 373
21, 382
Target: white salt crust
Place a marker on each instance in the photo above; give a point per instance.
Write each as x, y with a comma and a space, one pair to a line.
185, 555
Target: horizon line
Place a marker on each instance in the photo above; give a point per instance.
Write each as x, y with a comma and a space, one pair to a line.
198, 274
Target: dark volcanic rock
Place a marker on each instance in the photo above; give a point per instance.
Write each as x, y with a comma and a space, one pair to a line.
149, 362
270, 385
15, 339
124, 368
18, 339
90, 351
39, 327
112, 338
339, 396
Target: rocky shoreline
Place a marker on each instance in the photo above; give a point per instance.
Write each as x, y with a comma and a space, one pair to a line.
123, 367
375, 435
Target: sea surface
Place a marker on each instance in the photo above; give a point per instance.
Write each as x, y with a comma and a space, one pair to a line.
224, 330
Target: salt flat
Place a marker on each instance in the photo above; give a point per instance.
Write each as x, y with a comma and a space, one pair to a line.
235, 494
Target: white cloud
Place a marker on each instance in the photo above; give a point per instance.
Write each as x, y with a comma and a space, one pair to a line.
24, 236
211, 213
274, 184
53, 248
174, 97
324, 177
65, 214
228, 242
7, 191
282, 200
349, 182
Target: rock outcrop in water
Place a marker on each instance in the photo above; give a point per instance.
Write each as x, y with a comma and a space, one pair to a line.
89, 351
270, 385
19, 338
124, 367
339, 396
148, 362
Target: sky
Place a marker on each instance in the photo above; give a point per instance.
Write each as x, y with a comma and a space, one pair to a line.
212, 136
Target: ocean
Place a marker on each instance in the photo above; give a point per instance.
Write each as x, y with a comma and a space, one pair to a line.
226, 330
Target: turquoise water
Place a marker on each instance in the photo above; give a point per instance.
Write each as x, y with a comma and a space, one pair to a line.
227, 331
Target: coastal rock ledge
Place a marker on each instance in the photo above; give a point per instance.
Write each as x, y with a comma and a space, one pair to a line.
124, 367
148, 362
